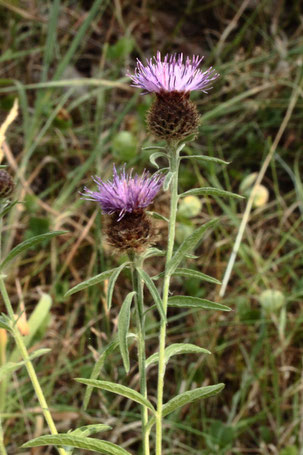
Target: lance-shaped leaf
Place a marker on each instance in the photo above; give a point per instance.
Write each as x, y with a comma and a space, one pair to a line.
157, 216
119, 390
175, 349
111, 283
183, 301
98, 366
204, 158
208, 191
90, 282
190, 396
155, 156
87, 430
78, 442
27, 244
151, 252
153, 290
168, 178
9, 367
123, 326
187, 245
192, 274
186, 398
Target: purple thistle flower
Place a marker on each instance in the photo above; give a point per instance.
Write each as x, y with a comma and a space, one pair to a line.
172, 75
125, 193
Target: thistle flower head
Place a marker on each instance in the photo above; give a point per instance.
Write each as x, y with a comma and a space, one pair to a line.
125, 193
173, 74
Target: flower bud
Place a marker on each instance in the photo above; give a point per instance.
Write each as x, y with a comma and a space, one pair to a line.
6, 184
272, 300
22, 324
172, 116
133, 232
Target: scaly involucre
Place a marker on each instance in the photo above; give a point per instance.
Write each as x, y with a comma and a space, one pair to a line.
125, 193
172, 74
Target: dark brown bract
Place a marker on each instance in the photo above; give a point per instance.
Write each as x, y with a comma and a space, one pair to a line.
172, 116
133, 232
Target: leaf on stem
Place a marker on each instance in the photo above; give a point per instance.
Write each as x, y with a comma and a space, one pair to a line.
190, 273
78, 442
151, 252
87, 430
111, 283
187, 245
123, 326
190, 396
168, 178
90, 282
119, 390
27, 244
183, 301
155, 156
204, 158
175, 349
153, 290
157, 216
9, 367
209, 191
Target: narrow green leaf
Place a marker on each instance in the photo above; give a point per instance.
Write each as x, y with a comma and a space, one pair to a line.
155, 156
90, 282
27, 244
98, 366
8, 207
188, 244
149, 147
153, 290
119, 390
78, 442
9, 367
5, 322
190, 396
168, 178
35, 321
183, 301
151, 252
208, 191
87, 430
180, 148
204, 158
175, 349
157, 216
111, 284
123, 326
190, 273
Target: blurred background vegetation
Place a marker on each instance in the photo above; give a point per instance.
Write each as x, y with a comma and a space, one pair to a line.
65, 61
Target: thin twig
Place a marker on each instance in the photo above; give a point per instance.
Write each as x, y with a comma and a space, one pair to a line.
293, 100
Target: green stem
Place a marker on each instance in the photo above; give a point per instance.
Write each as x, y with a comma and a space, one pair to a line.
174, 166
30, 369
138, 287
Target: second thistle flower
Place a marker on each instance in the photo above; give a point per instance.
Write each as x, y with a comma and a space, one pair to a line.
124, 199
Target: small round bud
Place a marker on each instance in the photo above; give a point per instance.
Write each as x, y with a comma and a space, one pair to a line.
133, 232
272, 300
6, 184
190, 206
172, 116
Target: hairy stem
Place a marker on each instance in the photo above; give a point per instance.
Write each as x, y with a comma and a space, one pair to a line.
138, 287
174, 166
30, 369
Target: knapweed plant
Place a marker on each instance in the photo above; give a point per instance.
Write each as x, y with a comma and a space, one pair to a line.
129, 228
